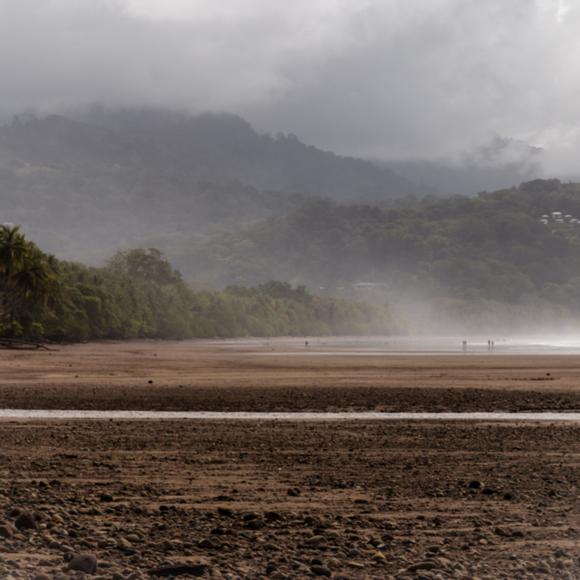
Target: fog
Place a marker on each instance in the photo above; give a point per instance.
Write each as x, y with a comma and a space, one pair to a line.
445, 96
388, 79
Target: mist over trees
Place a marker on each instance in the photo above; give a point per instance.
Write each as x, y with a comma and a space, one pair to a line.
86, 185
138, 294
232, 207
89, 183
484, 257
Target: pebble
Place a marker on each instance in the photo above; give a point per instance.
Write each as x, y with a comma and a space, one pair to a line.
86, 563
26, 521
318, 570
179, 570
7, 531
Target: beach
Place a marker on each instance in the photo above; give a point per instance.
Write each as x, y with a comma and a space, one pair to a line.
287, 499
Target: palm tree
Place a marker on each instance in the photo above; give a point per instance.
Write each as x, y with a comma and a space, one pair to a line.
13, 249
28, 278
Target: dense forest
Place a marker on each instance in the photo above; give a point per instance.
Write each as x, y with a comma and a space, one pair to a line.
139, 295
490, 255
232, 208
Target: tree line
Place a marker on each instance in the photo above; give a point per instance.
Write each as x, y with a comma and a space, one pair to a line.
138, 294
492, 256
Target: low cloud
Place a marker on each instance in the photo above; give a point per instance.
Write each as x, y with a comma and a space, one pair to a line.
383, 78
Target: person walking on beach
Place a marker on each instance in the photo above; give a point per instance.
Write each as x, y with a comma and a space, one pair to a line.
464, 345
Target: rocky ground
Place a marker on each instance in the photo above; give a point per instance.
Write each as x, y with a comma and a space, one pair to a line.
143, 499
286, 500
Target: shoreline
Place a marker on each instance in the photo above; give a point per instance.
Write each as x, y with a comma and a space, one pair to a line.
198, 376
287, 499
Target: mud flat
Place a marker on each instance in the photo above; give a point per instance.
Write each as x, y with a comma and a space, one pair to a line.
130, 499
258, 376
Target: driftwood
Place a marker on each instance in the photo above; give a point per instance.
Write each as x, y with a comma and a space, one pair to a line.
15, 343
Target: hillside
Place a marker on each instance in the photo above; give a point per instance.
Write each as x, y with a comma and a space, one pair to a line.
469, 254
84, 186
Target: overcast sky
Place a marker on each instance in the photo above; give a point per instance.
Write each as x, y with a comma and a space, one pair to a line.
387, 78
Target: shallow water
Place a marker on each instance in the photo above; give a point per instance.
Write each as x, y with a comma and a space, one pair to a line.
19, 414
405, 345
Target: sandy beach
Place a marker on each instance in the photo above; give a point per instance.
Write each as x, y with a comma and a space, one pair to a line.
277, 376
413, 499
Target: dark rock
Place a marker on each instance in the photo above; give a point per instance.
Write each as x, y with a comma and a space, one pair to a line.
225, 512
26, 521
273, 516
293, 492
475, 484
7, 531
182, 570
219, 531
271, 568
86, 563
106, 497
318, 570
425, 565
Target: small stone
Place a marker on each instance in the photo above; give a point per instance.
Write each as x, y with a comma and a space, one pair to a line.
86, 563
315, 540
26, 521
318, 570
225, 512
426, 565
168, 571
208, 545
7, 531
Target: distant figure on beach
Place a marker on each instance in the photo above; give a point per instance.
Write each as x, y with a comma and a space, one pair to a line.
306, 343
492, 345
464, 346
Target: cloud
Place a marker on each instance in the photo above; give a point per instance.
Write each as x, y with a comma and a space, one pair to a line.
387, 78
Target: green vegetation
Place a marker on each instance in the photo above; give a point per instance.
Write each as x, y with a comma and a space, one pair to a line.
139, 295
472, 256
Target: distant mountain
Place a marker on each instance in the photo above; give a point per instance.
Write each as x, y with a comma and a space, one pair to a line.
502, 262
499, 246
498, 164
86, 184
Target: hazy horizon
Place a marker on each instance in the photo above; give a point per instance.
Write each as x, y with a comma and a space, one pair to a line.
386, 80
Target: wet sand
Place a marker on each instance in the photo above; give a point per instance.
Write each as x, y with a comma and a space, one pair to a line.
287, 500
250, 376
